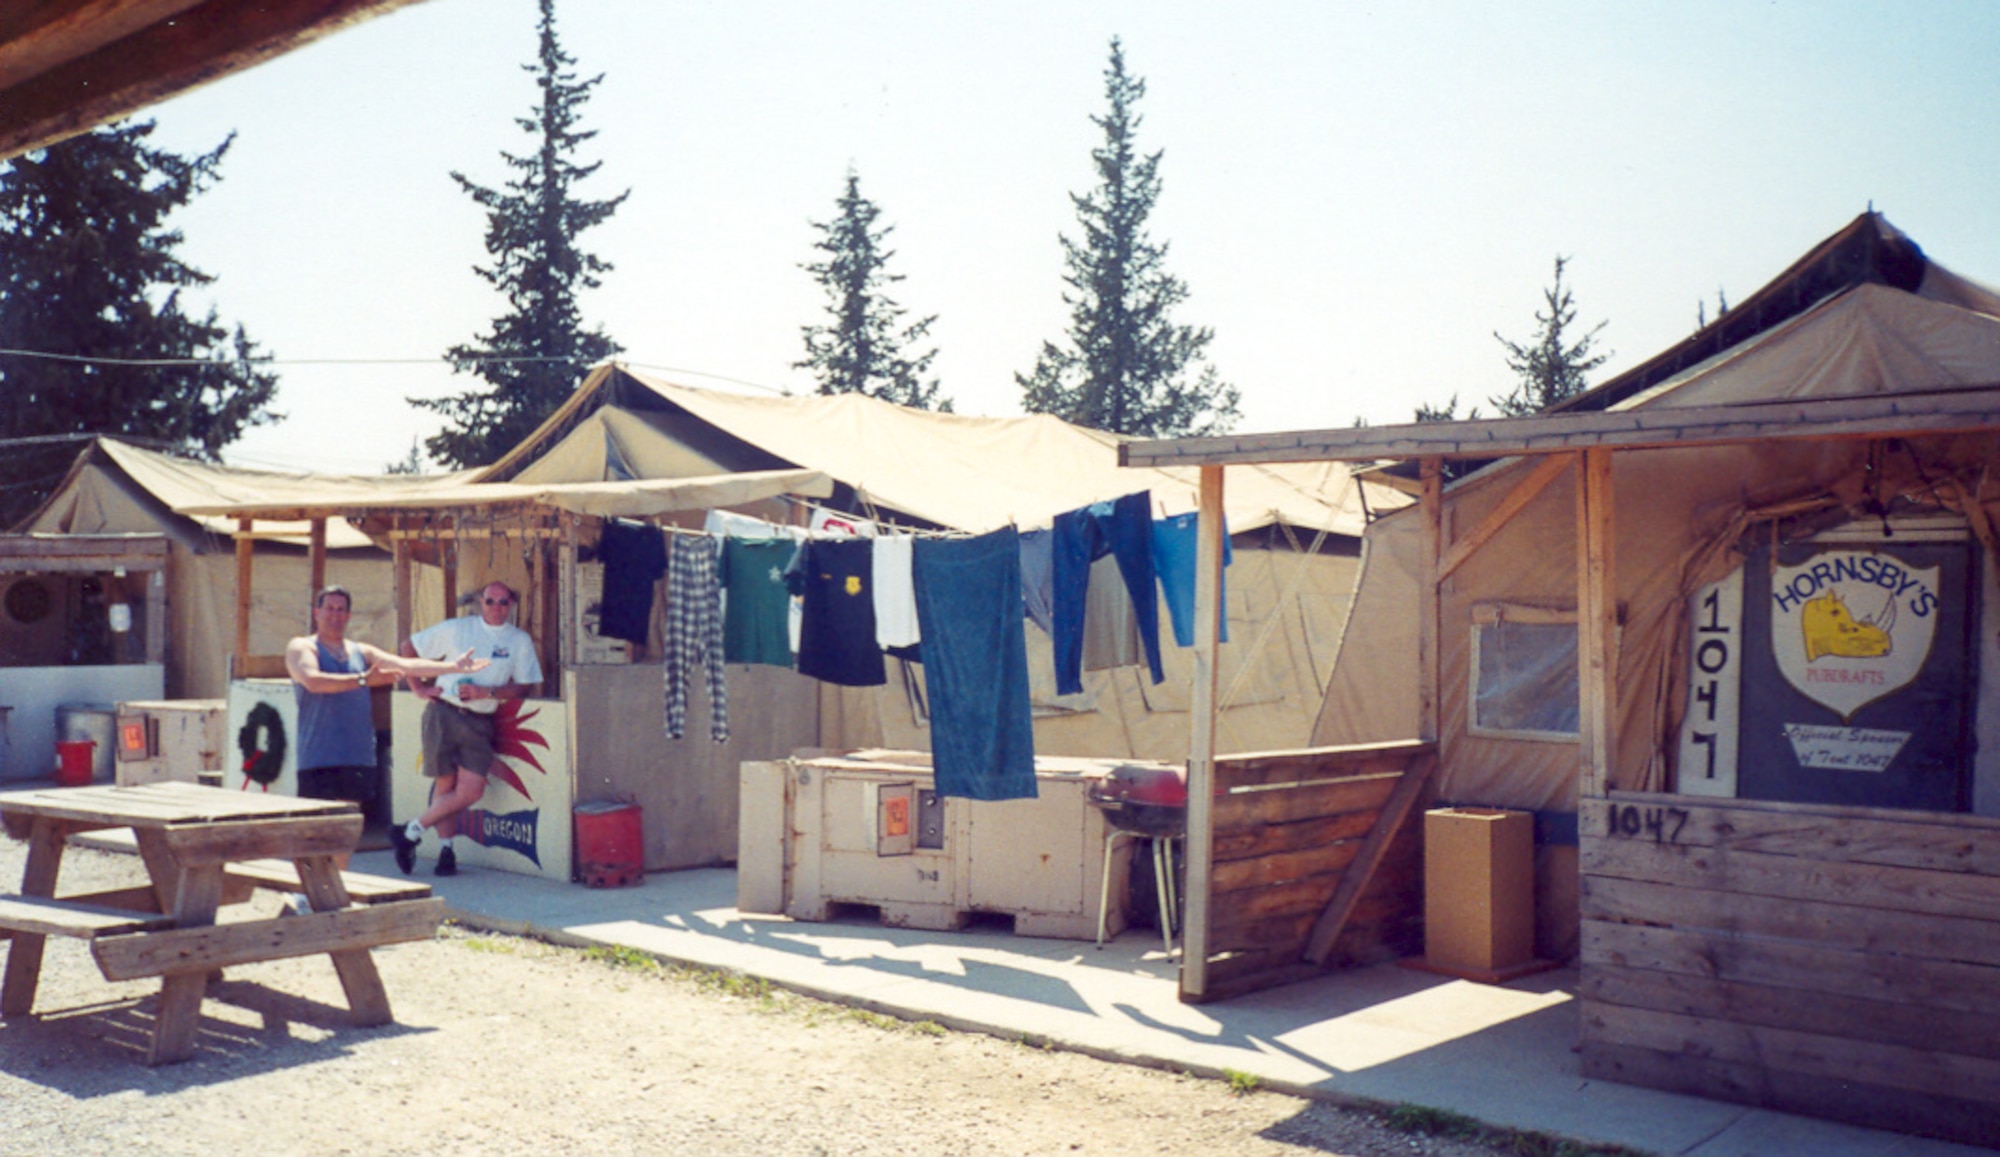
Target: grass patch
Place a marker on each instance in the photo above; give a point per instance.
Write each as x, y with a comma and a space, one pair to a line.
1242, 1084
1433, 1122
619, 956
489, 944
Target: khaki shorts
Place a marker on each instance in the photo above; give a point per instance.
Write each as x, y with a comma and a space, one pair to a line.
456, 739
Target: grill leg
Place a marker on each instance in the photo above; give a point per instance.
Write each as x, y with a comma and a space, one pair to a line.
1111, 835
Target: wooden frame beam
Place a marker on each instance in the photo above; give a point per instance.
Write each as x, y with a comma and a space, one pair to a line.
1201, 736
1975, 408
1597, 621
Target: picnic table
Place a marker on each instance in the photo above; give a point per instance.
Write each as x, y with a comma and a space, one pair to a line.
203, 848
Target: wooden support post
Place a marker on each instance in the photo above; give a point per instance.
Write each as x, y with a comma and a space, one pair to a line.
317, 561
566, 620
448, 558
1597, 621
1429, 601
245, 562
404, 627
1201, 738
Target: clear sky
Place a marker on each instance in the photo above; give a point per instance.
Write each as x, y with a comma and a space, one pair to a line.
1357, 195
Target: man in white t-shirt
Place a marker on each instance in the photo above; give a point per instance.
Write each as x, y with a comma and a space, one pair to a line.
458, 715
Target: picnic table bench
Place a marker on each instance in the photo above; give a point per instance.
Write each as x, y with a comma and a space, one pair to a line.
203, 847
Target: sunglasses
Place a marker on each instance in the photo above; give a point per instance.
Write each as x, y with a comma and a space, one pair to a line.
498, 602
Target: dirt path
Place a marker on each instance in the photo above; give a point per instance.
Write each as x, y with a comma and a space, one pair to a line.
507, 1046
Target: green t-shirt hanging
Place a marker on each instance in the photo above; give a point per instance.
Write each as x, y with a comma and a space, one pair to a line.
756, 623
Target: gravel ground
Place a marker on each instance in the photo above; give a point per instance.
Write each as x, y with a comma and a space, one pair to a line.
504, 1045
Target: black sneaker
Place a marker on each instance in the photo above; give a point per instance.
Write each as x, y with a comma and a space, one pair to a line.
447, 863
405, 849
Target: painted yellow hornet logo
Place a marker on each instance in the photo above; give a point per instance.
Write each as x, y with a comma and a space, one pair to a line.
1831, 629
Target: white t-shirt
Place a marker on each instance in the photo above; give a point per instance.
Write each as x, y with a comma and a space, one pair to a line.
509, 649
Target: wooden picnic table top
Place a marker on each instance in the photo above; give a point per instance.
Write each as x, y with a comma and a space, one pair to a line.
163, 804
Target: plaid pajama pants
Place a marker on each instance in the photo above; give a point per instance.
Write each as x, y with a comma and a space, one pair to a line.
694, 632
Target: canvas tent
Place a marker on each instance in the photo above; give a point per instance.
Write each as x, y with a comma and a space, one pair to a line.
114, 487
1735, 611
1295, 530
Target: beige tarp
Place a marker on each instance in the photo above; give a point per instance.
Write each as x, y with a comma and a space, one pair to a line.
643, 498
1679, 514
972, 474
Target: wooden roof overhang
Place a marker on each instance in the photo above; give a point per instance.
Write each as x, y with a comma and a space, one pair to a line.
549, 513
1586, 440
67, 66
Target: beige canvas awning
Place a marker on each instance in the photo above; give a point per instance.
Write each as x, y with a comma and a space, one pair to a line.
635, 499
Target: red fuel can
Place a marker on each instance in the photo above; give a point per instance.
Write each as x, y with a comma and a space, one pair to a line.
610, 850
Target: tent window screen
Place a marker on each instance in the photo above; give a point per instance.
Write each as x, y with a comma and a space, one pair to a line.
1524, 663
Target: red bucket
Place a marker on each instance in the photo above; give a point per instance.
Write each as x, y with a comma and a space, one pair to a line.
75, 762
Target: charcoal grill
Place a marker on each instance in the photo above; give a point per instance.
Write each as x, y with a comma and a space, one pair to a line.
1143, 800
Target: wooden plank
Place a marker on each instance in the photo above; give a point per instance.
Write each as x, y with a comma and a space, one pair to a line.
42, 916
1973, 1033
24, 954
1945, 985
166, 56
1827, 1058
1291, 804
1269, 768
1381, 906
1292, 897
197, 894
1932, 841
224, 841
1951, 1119
1795, 877
1844, 926
362, 888
367, 999
1536, 480
245, 562
1413, 786
1430, 502
1970, 408
401, 578
140, 898
1276, 839
1201, 821
147, 552
197, 951
1596, 621
315, 563
1239, 973
1236, 875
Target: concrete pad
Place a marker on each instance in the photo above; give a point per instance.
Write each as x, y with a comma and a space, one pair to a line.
1500, 1053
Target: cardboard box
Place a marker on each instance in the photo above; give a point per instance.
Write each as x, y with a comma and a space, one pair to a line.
1479, 890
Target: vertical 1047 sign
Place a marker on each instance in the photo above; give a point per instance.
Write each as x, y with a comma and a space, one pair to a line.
1715, 684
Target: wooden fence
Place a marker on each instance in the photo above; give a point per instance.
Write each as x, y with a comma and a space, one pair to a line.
1318, 862
1833, 961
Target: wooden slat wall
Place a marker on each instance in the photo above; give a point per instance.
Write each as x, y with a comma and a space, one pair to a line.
1836, 962
1287, 826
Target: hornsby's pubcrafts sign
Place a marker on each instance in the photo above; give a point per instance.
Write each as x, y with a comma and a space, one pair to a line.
1847, 629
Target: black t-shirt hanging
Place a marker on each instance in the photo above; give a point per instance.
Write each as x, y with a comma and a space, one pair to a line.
634, 557
837, 634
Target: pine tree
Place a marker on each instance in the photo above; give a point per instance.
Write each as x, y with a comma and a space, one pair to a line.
1126, 366
90, 276
537, 351
862, 351
1445, 413
1549, 368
